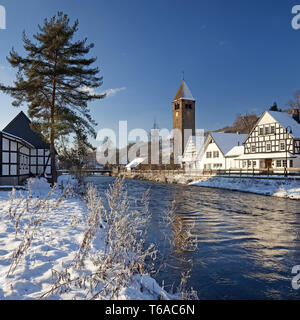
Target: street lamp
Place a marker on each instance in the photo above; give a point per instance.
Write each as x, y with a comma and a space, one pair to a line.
288, 130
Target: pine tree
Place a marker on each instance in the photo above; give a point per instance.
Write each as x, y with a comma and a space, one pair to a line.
56, 80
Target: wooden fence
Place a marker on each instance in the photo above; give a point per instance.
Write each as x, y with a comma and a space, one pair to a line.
230, 172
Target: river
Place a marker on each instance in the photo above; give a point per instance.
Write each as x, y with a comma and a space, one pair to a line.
247, 244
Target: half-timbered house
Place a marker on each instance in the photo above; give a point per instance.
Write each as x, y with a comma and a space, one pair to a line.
274, 143
23, 152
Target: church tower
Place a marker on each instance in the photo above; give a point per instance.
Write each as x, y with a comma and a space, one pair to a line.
184, 114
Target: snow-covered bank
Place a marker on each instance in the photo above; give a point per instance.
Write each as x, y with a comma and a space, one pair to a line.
40, 239
278, 188
284, 188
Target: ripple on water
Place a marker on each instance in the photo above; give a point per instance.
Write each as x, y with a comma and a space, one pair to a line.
246, 243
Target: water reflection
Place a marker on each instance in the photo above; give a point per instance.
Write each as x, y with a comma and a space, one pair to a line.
246, 244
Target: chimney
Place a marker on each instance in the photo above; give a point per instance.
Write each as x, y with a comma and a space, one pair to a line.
296, 115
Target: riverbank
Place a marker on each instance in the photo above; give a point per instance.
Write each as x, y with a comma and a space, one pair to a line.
289, 189
283, 188
156, 176
44, 253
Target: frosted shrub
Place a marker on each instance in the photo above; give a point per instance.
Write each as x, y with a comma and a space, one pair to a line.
26, 225
123, 252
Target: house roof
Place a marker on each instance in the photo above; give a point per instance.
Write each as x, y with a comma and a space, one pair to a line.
235, 151
20, 127
287, 120
226, 141
134, 163
184, 92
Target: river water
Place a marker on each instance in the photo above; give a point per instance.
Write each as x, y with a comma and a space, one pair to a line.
246, 247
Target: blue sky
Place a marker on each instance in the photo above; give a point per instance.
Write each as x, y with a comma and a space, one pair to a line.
238, 55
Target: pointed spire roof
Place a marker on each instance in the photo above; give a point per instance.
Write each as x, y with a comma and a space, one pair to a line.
184, 92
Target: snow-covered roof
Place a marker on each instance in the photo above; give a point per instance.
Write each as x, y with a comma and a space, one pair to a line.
134, 163
235, 151
184, 92
226, 141
287, 120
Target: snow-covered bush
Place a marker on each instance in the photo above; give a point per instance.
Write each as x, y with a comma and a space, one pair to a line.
123, 247
60, 247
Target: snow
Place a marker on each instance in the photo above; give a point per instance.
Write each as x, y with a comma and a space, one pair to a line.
55, 242
66, 179
235, 151
287, 120
287, 188
134, 163
226, 141
186, 92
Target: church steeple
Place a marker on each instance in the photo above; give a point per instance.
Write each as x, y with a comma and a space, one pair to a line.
184, 113
184, 92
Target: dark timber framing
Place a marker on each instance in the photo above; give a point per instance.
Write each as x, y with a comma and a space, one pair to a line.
23, 152
14, 157
257, 142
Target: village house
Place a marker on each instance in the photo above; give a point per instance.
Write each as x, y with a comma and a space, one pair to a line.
219, 152
274, 143
23, 152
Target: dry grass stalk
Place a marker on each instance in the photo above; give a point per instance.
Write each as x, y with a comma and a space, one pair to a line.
124, 251
37, 213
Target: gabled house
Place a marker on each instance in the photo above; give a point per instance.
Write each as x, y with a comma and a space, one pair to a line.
218, 152
217, 146
23, 152
274, 142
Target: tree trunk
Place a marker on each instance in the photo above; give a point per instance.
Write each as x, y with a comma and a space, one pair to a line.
52, 146
53, 156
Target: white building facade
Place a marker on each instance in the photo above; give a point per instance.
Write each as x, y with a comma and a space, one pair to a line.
215, 152
273, 144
